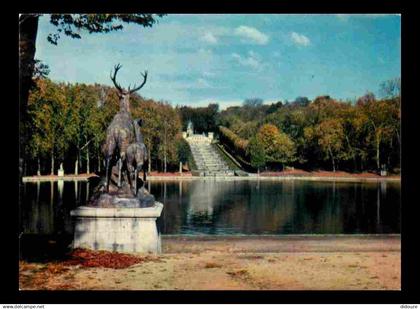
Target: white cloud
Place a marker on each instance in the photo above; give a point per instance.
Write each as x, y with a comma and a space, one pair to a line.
300, 39
210, 38
251, 60
252, 35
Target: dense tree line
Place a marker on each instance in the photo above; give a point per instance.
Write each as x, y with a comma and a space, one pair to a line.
204, 119
68, 125
325, 133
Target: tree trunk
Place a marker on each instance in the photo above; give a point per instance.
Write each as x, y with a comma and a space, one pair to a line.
332, 159
149, 163
398, 137
164, 147
180, 167
25, 166
28, 28
52, 163
378, 161
87, 161
99, 162
79, 158
76, 167
352, 152
38, 172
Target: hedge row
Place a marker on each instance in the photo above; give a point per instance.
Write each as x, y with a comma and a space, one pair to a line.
233, 141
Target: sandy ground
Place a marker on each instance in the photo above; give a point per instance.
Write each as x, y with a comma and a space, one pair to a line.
241, 263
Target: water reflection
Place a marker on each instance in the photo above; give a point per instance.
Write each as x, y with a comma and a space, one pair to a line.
233, 207
292, 206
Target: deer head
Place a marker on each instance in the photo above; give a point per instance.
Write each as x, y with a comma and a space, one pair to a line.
123, 94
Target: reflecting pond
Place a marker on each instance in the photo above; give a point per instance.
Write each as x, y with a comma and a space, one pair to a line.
241, 207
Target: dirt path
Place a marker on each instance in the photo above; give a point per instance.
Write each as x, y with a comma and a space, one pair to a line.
232, 263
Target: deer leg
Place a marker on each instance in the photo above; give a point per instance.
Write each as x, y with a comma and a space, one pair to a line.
144, 173
129, 173
135, 181
107, 173
119, 172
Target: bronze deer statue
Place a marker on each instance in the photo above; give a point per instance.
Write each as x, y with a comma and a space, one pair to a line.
121, 132
136, 156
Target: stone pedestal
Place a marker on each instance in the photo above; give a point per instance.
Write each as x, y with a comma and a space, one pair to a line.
129, 230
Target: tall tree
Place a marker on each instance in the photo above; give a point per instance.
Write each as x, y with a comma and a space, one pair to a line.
391, 88
257, 154
50, 119
330, 136
383, 123
277, 145
69, 25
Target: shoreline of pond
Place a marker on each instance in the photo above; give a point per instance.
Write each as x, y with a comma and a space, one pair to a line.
250, 177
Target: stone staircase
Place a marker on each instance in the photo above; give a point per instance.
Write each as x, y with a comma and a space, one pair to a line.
208, 161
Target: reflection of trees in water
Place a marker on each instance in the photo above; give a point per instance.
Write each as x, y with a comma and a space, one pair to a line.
358, 206
235, 206
241, 206
274, 207
322, 206
37, 208
174, 196
342, 207
46, 206
259, 208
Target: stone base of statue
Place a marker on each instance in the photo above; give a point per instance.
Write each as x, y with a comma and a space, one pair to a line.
118, 229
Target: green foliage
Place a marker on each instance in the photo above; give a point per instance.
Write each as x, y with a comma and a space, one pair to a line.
69, 121
257, 154
183, 150
253, 102
204, 119
49, 120
161, 129
185, 154
322, 133
235, 143
71, 24
278, 147
329, 135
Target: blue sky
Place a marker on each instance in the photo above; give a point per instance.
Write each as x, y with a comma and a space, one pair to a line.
198, 59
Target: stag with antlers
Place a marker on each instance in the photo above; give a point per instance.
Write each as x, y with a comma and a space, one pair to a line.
122, 132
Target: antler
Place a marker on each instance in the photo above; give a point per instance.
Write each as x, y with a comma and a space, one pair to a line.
142, 84
113, 77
